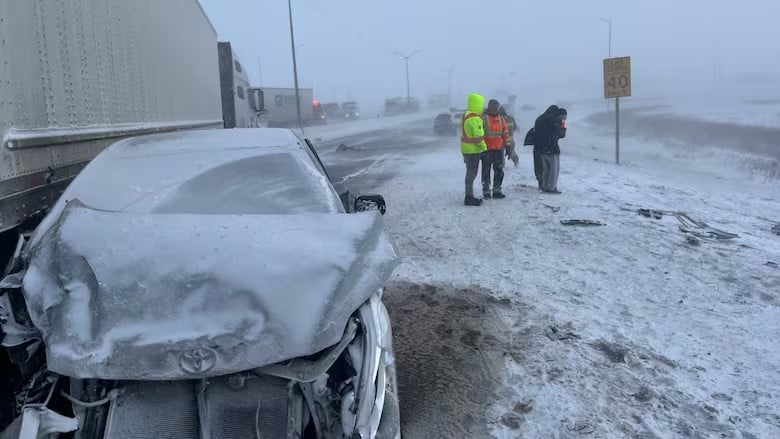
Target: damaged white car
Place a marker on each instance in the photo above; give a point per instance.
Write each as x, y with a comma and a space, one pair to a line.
208, 284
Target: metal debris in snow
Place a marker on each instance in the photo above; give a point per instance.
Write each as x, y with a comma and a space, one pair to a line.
553, 332
553, 208
695, 230
700, 229
581, 222
692, 240
650, 213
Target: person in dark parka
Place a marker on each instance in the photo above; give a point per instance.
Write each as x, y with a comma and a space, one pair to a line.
549, 127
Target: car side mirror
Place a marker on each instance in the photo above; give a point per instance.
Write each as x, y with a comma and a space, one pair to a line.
257, 99
368, 202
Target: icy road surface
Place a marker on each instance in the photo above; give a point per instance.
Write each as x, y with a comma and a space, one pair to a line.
509, 324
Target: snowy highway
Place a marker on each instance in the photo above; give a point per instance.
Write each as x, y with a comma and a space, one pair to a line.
509, 324
248, 219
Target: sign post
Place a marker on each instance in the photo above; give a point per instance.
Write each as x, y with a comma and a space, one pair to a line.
617, 84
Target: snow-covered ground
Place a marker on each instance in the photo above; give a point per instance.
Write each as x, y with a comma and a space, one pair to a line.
530, 328
347, 128
751, 109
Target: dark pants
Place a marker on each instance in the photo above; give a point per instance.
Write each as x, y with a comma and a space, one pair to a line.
538, 168
550, 169
492, 159
472, 167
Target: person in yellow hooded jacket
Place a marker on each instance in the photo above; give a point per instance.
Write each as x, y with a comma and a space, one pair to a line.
472, 144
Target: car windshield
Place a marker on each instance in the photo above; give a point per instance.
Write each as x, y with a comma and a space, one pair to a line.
267, 184
249, 181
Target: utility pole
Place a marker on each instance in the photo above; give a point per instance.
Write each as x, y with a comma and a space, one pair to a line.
295, 67
260, 69
300, 74
449, 87
406, 58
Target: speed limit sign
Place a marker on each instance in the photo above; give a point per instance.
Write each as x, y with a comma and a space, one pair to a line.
617, 77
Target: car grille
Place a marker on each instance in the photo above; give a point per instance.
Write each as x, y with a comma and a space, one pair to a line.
155, 410
232, 412
164, 410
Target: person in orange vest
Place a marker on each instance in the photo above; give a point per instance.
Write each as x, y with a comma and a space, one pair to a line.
496, 136
472, 144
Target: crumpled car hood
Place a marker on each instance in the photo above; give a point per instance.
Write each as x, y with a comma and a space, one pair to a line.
166, 296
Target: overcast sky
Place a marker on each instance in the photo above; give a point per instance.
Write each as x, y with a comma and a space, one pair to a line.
551, 50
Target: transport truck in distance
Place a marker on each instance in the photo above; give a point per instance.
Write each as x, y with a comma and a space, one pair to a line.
242, 105
279, 106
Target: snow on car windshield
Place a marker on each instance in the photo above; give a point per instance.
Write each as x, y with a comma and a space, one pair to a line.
252, 181
267, 184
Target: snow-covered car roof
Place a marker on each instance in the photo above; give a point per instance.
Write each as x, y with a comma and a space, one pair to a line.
239, 171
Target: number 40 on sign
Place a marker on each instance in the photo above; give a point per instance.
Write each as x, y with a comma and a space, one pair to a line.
617, 77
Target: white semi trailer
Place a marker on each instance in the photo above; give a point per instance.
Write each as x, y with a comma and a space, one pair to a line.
280, 109
77, 75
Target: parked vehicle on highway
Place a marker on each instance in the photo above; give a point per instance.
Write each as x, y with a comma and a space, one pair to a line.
203, 284
334, 111
280, 106
446, 124
350, 109
242, 105
100, 74
442, 125
318, 113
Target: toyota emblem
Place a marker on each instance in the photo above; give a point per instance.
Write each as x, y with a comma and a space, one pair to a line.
198, 360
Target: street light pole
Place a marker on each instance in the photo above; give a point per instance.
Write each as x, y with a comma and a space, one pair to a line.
609, 22
260, 69
449, 87
300, 74
408, 98
295, 67
406, 59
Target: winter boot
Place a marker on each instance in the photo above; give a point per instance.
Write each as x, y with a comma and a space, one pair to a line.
472, 201
487, 195
497, 194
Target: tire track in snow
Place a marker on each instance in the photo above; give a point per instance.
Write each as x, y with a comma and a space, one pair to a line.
451, 346
364, 170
